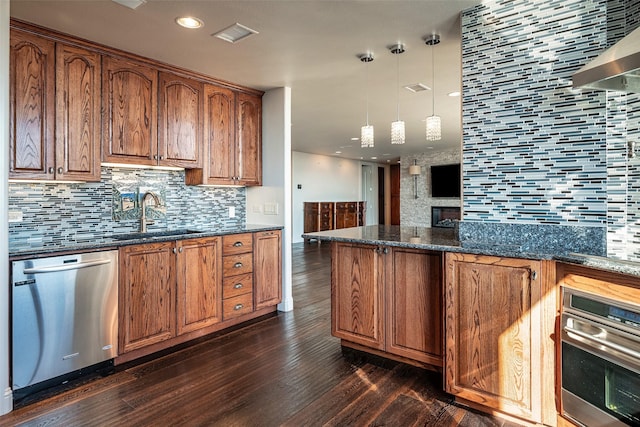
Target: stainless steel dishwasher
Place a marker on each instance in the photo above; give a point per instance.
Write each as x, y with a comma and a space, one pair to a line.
65, 316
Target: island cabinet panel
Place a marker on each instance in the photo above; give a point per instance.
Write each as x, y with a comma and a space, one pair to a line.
146, 295
414, 305
357, 294
78, 117
497, 311
129, 106
180, 121
267, 267
31, 106
199, 280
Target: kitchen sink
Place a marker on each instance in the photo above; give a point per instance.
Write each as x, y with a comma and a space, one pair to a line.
154, 234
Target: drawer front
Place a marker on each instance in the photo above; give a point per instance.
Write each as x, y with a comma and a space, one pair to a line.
237, 243
237, 306
237, 285
233, 265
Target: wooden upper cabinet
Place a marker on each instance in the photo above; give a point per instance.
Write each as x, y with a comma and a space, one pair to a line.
77, 113
180, 121
199, 279
129, 101
249, 139
267, 268
497, 334
32, 103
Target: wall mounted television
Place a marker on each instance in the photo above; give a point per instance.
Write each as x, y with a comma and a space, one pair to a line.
445, 180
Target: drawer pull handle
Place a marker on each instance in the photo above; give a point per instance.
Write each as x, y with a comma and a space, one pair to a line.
237, 244
237, 286
238, 307
237, 265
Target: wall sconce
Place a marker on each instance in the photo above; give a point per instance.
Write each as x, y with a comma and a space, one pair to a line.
414, 171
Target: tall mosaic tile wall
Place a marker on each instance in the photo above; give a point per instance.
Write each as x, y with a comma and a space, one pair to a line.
534, 147
417, 212
80, 212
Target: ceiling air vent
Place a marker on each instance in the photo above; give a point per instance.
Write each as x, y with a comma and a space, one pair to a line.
234, 33
131, 4
417, 87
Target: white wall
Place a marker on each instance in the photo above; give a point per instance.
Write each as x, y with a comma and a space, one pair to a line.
325, 178
271, 203
6, 402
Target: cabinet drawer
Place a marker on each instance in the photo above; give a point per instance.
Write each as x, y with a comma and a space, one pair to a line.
237, 243
237, 285
237, 306
233, 265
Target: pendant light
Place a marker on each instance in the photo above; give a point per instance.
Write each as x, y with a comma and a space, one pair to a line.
366, 132
397, 127
433, 128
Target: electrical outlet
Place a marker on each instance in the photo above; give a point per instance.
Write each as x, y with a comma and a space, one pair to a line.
232, 212
15, 216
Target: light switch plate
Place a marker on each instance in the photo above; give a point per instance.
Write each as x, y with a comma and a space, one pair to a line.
232, 212
271, 208
15, 216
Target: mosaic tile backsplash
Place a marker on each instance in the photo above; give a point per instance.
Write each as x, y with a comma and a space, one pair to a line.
55, 212
537, 151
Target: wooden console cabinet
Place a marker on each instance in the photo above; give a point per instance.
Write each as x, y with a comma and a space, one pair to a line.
321, 216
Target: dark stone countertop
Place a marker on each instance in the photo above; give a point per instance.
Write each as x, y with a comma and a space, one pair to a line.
111, 241
443, 239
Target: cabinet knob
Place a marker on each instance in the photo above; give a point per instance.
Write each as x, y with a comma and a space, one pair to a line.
534, 275
51, 170
180, 249
238, 306
161, 157
155, 157
174, 250
237, 265
59, 170
237, 286
237, 244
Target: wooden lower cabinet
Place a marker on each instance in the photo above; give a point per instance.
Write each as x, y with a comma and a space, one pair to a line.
499, 318
388, 299
146, 295
171, 292
199, 281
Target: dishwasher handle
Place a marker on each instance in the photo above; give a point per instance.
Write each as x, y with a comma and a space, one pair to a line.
65, 267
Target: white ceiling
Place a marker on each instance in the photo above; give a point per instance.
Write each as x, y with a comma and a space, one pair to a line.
311, 46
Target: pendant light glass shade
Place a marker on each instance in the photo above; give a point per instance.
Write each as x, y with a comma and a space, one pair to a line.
366, 136
433, 125
397, 127
366, 131
434, 131
397, 132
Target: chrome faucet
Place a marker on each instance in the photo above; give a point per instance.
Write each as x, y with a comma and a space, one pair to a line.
143, 217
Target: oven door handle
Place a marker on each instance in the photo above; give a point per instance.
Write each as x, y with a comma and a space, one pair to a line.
576, 333
65, 267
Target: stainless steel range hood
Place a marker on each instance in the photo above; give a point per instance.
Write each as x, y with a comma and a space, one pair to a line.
617, 68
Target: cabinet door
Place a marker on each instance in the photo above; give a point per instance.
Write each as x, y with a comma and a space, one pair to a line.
77, 113
31, 104
414, 305
249, 139
129, 106
219, 125
199, 271
357, 277
493, 340
267, 268
146, 295
180, 121
311, 217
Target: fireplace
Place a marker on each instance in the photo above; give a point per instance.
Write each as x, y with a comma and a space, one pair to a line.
444, 216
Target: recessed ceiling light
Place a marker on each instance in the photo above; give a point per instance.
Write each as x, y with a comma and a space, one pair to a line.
338, 152
417, 87
374, 158
131, 4
189, 22
355, 138
234, 33
454, 93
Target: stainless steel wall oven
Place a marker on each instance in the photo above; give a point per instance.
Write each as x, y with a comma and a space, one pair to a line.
600, 360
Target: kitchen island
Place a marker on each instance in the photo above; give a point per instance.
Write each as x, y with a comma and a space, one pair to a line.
484, 314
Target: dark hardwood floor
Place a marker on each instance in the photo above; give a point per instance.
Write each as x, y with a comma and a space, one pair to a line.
285, 370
